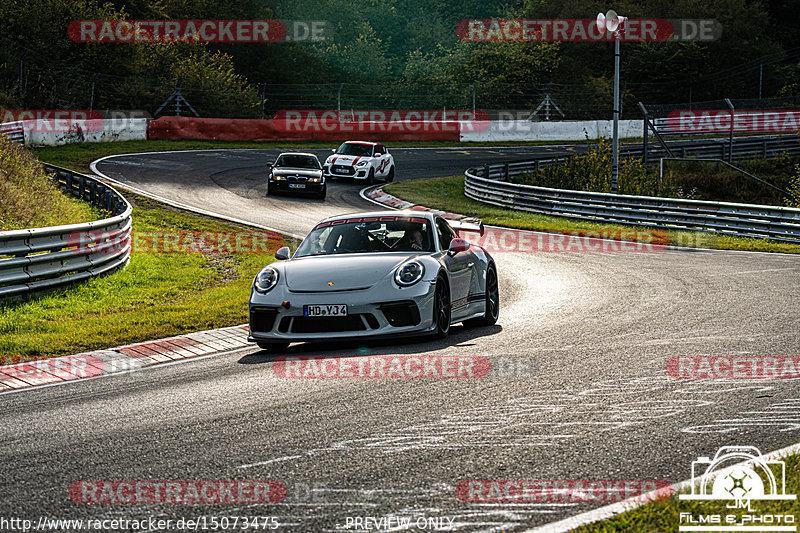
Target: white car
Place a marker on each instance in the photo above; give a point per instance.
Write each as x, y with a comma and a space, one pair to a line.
360, 160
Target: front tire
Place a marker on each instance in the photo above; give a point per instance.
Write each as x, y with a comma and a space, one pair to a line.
371, 177
489, 317
273, 347
321, 195
390, 176
441, 308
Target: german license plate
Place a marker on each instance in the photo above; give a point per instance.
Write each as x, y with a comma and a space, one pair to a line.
340, 171
325, 310
297, 185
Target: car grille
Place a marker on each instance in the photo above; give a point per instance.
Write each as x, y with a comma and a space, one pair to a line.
296, 179
262, 318
341, 169
331, 324
400, 314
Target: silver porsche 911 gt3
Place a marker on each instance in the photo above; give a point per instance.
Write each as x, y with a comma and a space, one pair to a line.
373, 275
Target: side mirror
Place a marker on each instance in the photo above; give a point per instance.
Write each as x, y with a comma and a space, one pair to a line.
270, 164
283, 253
458, 245
333, 150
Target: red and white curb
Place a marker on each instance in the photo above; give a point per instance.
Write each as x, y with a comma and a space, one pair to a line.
378, 196
121, 359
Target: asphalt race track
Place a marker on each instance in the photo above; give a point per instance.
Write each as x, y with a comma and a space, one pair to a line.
593, 330
233, 181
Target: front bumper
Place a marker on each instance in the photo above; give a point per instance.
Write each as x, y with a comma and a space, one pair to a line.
347, 172
371, 313
286, 186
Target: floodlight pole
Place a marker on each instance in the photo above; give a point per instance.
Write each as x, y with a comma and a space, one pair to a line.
615, 133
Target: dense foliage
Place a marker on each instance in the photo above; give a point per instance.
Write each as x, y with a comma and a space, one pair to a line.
386, 45
697, 180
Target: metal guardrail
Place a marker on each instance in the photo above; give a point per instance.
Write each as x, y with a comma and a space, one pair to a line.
14, 131
743, 149
745, 220
44, 258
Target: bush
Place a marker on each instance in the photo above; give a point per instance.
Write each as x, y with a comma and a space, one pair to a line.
592, 172
698, 180
794, 188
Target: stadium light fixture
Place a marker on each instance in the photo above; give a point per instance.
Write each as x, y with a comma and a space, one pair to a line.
614, 23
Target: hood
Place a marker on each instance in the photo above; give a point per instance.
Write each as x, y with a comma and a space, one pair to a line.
348, 160
346, 271
306, 172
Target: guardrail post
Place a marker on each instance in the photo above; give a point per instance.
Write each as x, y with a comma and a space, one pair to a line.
505, 172
486, 171
644, 132
82, 188
730, 135
765, 149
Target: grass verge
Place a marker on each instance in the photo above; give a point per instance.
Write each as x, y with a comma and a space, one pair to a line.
448, 194
666, 515
29, 198
156, 295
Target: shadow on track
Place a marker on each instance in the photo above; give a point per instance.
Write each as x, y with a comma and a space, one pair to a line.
458, 336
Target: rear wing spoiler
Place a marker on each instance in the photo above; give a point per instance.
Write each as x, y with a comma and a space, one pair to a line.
474, 226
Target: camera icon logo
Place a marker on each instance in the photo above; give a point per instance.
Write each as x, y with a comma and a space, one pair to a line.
738, 473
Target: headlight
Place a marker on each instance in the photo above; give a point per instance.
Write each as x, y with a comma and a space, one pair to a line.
362, 163
315, 180
409, 273
278, 178
266, 280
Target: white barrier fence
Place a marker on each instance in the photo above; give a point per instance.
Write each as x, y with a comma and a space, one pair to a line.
524, 130
41, 133
55, 133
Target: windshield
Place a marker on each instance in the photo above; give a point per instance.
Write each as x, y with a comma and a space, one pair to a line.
390, 234
297, 161
355, 149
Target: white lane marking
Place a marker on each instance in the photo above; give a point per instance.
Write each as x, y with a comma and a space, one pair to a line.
751, 271
276, 460
363, 194
131, 188
614, 509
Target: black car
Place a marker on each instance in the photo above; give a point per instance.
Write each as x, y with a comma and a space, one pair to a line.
296, 172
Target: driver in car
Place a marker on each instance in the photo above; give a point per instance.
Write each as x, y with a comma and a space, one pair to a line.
412, 239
